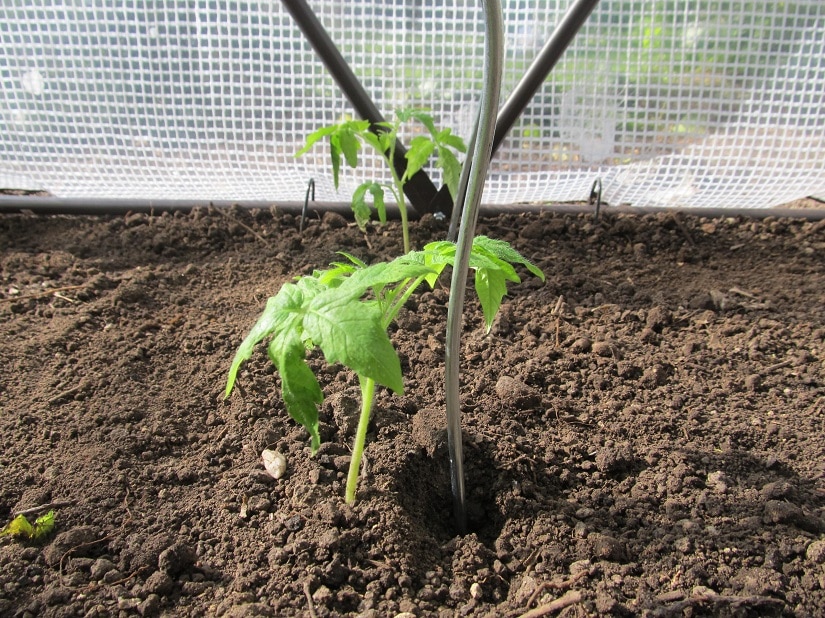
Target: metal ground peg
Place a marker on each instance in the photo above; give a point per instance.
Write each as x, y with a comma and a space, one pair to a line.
310, 191
595, 198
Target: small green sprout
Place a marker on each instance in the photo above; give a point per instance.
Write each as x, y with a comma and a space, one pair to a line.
346, 311
346, 138
20, 527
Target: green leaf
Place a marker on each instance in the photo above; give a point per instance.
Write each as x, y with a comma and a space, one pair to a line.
387, 139
404, 114
335, 159
384, 273
491, 286
437, 255
421, 148
361, 209
377, 191
374, 140
444, 247
43, 526
359, 205
359, 263
313, 138
483, 260
332, 277
449, 164
299, 387
349, 145
278, 310
504, 251
17, 527
351, 333
424, 118
445, 137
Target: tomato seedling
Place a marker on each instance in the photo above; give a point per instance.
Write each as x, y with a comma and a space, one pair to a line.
21, 527
345, 311
346, 138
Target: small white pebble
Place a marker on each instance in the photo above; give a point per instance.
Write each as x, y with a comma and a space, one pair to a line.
475, 591
274, 462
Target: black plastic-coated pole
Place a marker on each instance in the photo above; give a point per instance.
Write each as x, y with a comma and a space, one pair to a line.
419, 189
39, 205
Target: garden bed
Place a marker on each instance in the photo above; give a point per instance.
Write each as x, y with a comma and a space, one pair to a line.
644, 433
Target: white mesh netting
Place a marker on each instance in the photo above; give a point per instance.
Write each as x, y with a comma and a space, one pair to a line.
670, 102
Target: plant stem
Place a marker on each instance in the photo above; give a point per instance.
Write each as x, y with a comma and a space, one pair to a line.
367, 396
400, 300
405, 226
399, 191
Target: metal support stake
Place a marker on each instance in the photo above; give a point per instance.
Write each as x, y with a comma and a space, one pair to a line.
527, 87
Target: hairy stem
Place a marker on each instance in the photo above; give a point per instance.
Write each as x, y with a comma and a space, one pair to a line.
367, 396
398, 191
405, 226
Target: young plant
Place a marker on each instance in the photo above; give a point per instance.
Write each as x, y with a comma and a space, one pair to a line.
21, 527
346, 138
345, 311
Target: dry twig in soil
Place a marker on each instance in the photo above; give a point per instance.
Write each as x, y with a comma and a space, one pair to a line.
571, 597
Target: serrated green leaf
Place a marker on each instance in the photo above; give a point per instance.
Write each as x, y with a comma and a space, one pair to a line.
354, 260
278, 310
19, 526
377, 191
351, 333
421, 148
384, 273
424, 118
404, 114
387, 140
445, 137
449, 164
491, 286
315, 137
359, 206
334, 276
373, 140
484, 260
299, 387
444, 247
361, 127
349, 145
437, 255
504, 251
362, 210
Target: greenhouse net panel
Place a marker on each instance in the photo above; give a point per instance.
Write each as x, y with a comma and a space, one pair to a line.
669, 103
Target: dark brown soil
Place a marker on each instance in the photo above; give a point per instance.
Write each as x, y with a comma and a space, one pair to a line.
644, 432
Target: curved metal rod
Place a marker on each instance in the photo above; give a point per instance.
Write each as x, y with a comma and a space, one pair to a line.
305, 209
480, 161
